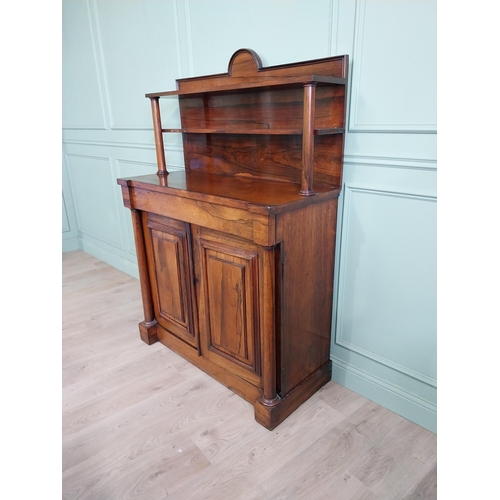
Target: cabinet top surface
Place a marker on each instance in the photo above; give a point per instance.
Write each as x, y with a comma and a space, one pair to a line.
239, 191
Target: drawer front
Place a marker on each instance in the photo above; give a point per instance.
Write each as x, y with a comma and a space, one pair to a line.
243, 223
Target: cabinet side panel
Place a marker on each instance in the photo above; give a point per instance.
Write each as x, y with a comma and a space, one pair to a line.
308, 250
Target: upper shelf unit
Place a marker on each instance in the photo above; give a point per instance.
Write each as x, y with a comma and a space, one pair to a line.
304, 100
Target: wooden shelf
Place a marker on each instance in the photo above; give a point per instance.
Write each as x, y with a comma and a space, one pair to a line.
261, 83
246, 131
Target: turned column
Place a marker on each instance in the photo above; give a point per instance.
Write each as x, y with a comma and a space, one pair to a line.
160, 152
308, 140
148, 327
269, 396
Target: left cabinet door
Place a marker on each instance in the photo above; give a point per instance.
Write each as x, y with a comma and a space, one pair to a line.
168, 247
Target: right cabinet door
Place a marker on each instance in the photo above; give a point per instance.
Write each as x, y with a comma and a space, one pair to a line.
227, 272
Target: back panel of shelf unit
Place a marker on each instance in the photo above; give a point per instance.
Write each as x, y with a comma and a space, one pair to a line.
275, 157
261, 110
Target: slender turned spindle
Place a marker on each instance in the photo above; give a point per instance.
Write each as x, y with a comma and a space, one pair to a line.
308, 141
160, 152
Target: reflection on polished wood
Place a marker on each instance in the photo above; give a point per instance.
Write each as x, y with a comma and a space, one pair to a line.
141, 422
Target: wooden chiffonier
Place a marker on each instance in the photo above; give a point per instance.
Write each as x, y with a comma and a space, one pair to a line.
236, 252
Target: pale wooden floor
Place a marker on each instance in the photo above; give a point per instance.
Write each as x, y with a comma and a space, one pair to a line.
140, 422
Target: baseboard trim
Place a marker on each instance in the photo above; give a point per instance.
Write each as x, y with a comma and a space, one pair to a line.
111, 258
393, 398
70, 245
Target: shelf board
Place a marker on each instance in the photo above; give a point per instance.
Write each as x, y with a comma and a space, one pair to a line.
329, 131
259, 83
246, 131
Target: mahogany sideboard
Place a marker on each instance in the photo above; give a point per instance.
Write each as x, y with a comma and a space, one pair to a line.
236, 252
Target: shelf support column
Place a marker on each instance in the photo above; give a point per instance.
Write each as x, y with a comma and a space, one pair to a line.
308, 140
160, 152
269, 396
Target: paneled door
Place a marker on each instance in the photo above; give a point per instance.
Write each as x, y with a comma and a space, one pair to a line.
227, 271
170, 266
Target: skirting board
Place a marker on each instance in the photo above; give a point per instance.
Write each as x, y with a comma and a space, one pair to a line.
111, 258
70, 244
408, 406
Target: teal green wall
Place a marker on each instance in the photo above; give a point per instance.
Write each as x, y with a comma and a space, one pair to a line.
384, 333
